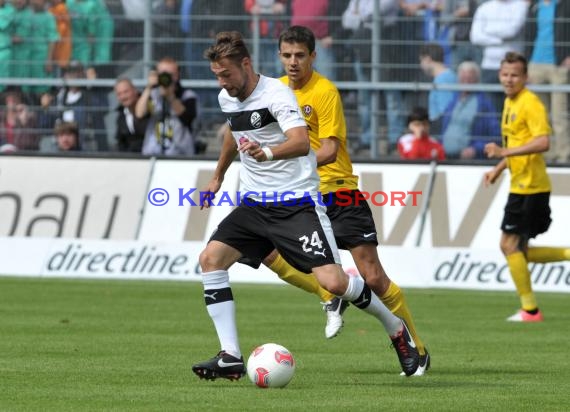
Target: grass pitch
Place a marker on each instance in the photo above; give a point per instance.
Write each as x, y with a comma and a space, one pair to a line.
77, 345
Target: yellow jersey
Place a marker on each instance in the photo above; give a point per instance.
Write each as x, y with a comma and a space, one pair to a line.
525, 118
321, 106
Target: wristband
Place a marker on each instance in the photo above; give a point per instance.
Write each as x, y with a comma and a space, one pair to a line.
268, 153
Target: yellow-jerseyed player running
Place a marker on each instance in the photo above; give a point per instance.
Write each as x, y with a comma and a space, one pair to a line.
526, 133
353, 225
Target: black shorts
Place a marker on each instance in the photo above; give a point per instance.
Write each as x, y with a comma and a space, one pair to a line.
527, 215
351, 219
301, 233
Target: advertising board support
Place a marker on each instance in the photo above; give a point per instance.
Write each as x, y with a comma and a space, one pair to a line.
426, 201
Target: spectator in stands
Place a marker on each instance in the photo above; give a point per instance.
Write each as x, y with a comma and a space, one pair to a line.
166, 30
392, 61
431, 62
62, 49
270, 13
67, 137
42, 40
548, 37
21, 35
17, 122
83, 28
197, 36
418, 144
82, 105
455, 25
471, 119
201, 20
101, 45
128, 39
358, 19
418, 25
6, 19
322, 17
172, 110
200, 31
130, 129
498, 28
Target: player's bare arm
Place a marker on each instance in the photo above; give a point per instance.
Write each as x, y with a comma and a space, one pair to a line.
492, 175
537, 145
327, 152
228, 153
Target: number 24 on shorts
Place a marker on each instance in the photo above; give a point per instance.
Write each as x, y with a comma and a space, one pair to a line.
314, 241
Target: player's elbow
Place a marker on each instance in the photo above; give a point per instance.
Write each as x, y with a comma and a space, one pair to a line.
328, 158
547, 145
544, 144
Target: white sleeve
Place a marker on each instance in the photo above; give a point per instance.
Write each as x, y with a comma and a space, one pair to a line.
479, 35
506, 30
285, 109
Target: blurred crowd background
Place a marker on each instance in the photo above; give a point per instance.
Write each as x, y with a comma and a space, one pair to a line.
78, 67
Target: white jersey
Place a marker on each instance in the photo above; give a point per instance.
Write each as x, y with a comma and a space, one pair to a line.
263, 117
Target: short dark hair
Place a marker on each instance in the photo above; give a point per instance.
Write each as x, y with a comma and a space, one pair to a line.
298, 34
514, 57
418, 113
433, 50
229, 45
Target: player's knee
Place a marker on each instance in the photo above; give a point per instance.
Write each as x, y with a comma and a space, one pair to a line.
509, 245
209, 260
332, 280
374, 275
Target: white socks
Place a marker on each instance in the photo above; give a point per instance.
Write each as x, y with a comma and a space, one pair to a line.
359, 294
221, 308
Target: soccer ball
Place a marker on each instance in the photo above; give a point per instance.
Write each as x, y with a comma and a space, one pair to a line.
270, 366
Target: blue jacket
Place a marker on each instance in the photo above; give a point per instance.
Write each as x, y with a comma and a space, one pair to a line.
485, 128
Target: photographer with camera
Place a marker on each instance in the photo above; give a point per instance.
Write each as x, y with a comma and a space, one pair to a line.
171, 110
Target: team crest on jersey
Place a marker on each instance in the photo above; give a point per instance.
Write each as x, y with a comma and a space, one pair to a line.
307, 110
513, 117
255, 120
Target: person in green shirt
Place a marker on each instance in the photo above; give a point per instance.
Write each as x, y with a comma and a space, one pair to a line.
42, 43
6, 18
104, 27
21, 33
83, 28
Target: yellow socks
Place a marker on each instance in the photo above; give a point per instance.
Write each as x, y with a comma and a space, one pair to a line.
304, 281
547, 254
395, 301
521, 277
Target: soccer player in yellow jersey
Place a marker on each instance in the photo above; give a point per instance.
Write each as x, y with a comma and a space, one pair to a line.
526, 135
352, 224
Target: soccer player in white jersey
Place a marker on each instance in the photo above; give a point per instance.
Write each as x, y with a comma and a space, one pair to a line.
270, 135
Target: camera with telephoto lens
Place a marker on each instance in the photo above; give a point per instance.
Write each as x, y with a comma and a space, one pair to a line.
164, 79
